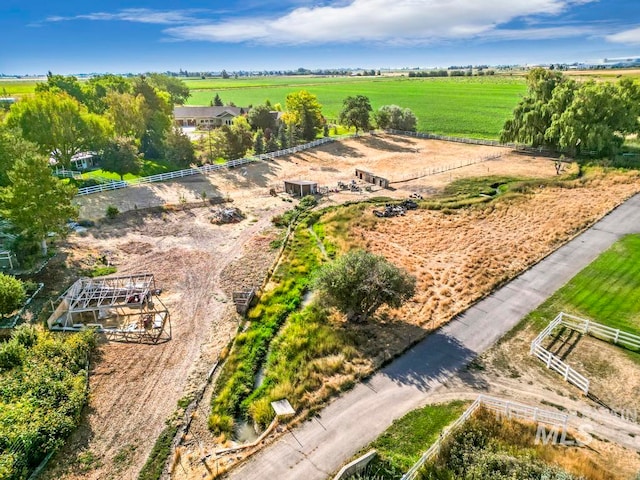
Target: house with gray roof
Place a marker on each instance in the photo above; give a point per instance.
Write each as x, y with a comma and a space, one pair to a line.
207, 117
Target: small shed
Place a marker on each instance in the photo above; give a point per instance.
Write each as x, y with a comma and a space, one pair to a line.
371, 178
300, 188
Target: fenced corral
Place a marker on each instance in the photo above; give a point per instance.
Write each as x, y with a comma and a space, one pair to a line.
603, 332
205, 169
585, 327
501, 408
125, 308
444, 168
555, 363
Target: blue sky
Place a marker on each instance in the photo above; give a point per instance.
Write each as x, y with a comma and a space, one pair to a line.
123, 36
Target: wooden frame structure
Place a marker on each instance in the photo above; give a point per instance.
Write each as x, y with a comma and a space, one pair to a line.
124, 308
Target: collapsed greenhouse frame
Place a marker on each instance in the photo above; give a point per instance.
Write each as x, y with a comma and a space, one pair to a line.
124, 308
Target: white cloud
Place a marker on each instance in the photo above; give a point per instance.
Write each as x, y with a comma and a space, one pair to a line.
631, 36
138, 15
385, 21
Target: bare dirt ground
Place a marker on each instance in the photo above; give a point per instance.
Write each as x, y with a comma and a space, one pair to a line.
135, 388
392, 157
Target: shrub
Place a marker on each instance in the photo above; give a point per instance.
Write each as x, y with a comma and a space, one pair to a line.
112, 212
12, 354
12, 294
360, 282
308, 202
25, 335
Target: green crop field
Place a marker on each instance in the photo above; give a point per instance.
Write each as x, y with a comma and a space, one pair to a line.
16, 88
607, 291
465, 106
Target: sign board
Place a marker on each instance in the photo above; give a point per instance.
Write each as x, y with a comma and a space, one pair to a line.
282, 408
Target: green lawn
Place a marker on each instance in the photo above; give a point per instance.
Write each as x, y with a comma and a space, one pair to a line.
460, 106
607, 291
404, 442
149, 167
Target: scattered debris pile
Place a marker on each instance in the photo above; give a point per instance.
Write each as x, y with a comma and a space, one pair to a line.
400, 209
226, 215
352, 186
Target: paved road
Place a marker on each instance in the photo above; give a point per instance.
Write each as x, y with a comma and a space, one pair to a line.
320, 446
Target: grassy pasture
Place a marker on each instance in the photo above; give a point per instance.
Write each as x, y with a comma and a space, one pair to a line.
607, 291
17, 87
466, 106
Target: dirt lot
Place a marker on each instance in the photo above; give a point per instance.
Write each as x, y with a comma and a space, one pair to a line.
459, 256
395, 158
135, 388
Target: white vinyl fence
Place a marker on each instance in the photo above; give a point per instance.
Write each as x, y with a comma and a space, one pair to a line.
115, 185
501, 408
586, 327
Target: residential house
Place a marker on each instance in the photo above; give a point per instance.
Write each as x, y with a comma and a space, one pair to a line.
207, 117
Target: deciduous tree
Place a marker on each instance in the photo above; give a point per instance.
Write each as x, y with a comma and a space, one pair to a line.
127, 114
176, 88
12, 148
120, 156
396, 118
179, 148
355, 112
359, 282
59, 125
157, 115
36, 202
304, 114
260, 117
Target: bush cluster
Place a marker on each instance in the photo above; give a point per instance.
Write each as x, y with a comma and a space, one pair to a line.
42, 392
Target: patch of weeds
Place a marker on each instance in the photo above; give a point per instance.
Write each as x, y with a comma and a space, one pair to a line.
87, 461
275, 244
112, 212
154, 465
554, 405
123, 458
100, 271
476, 365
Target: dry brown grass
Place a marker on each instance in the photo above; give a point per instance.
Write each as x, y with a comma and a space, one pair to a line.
460, 256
